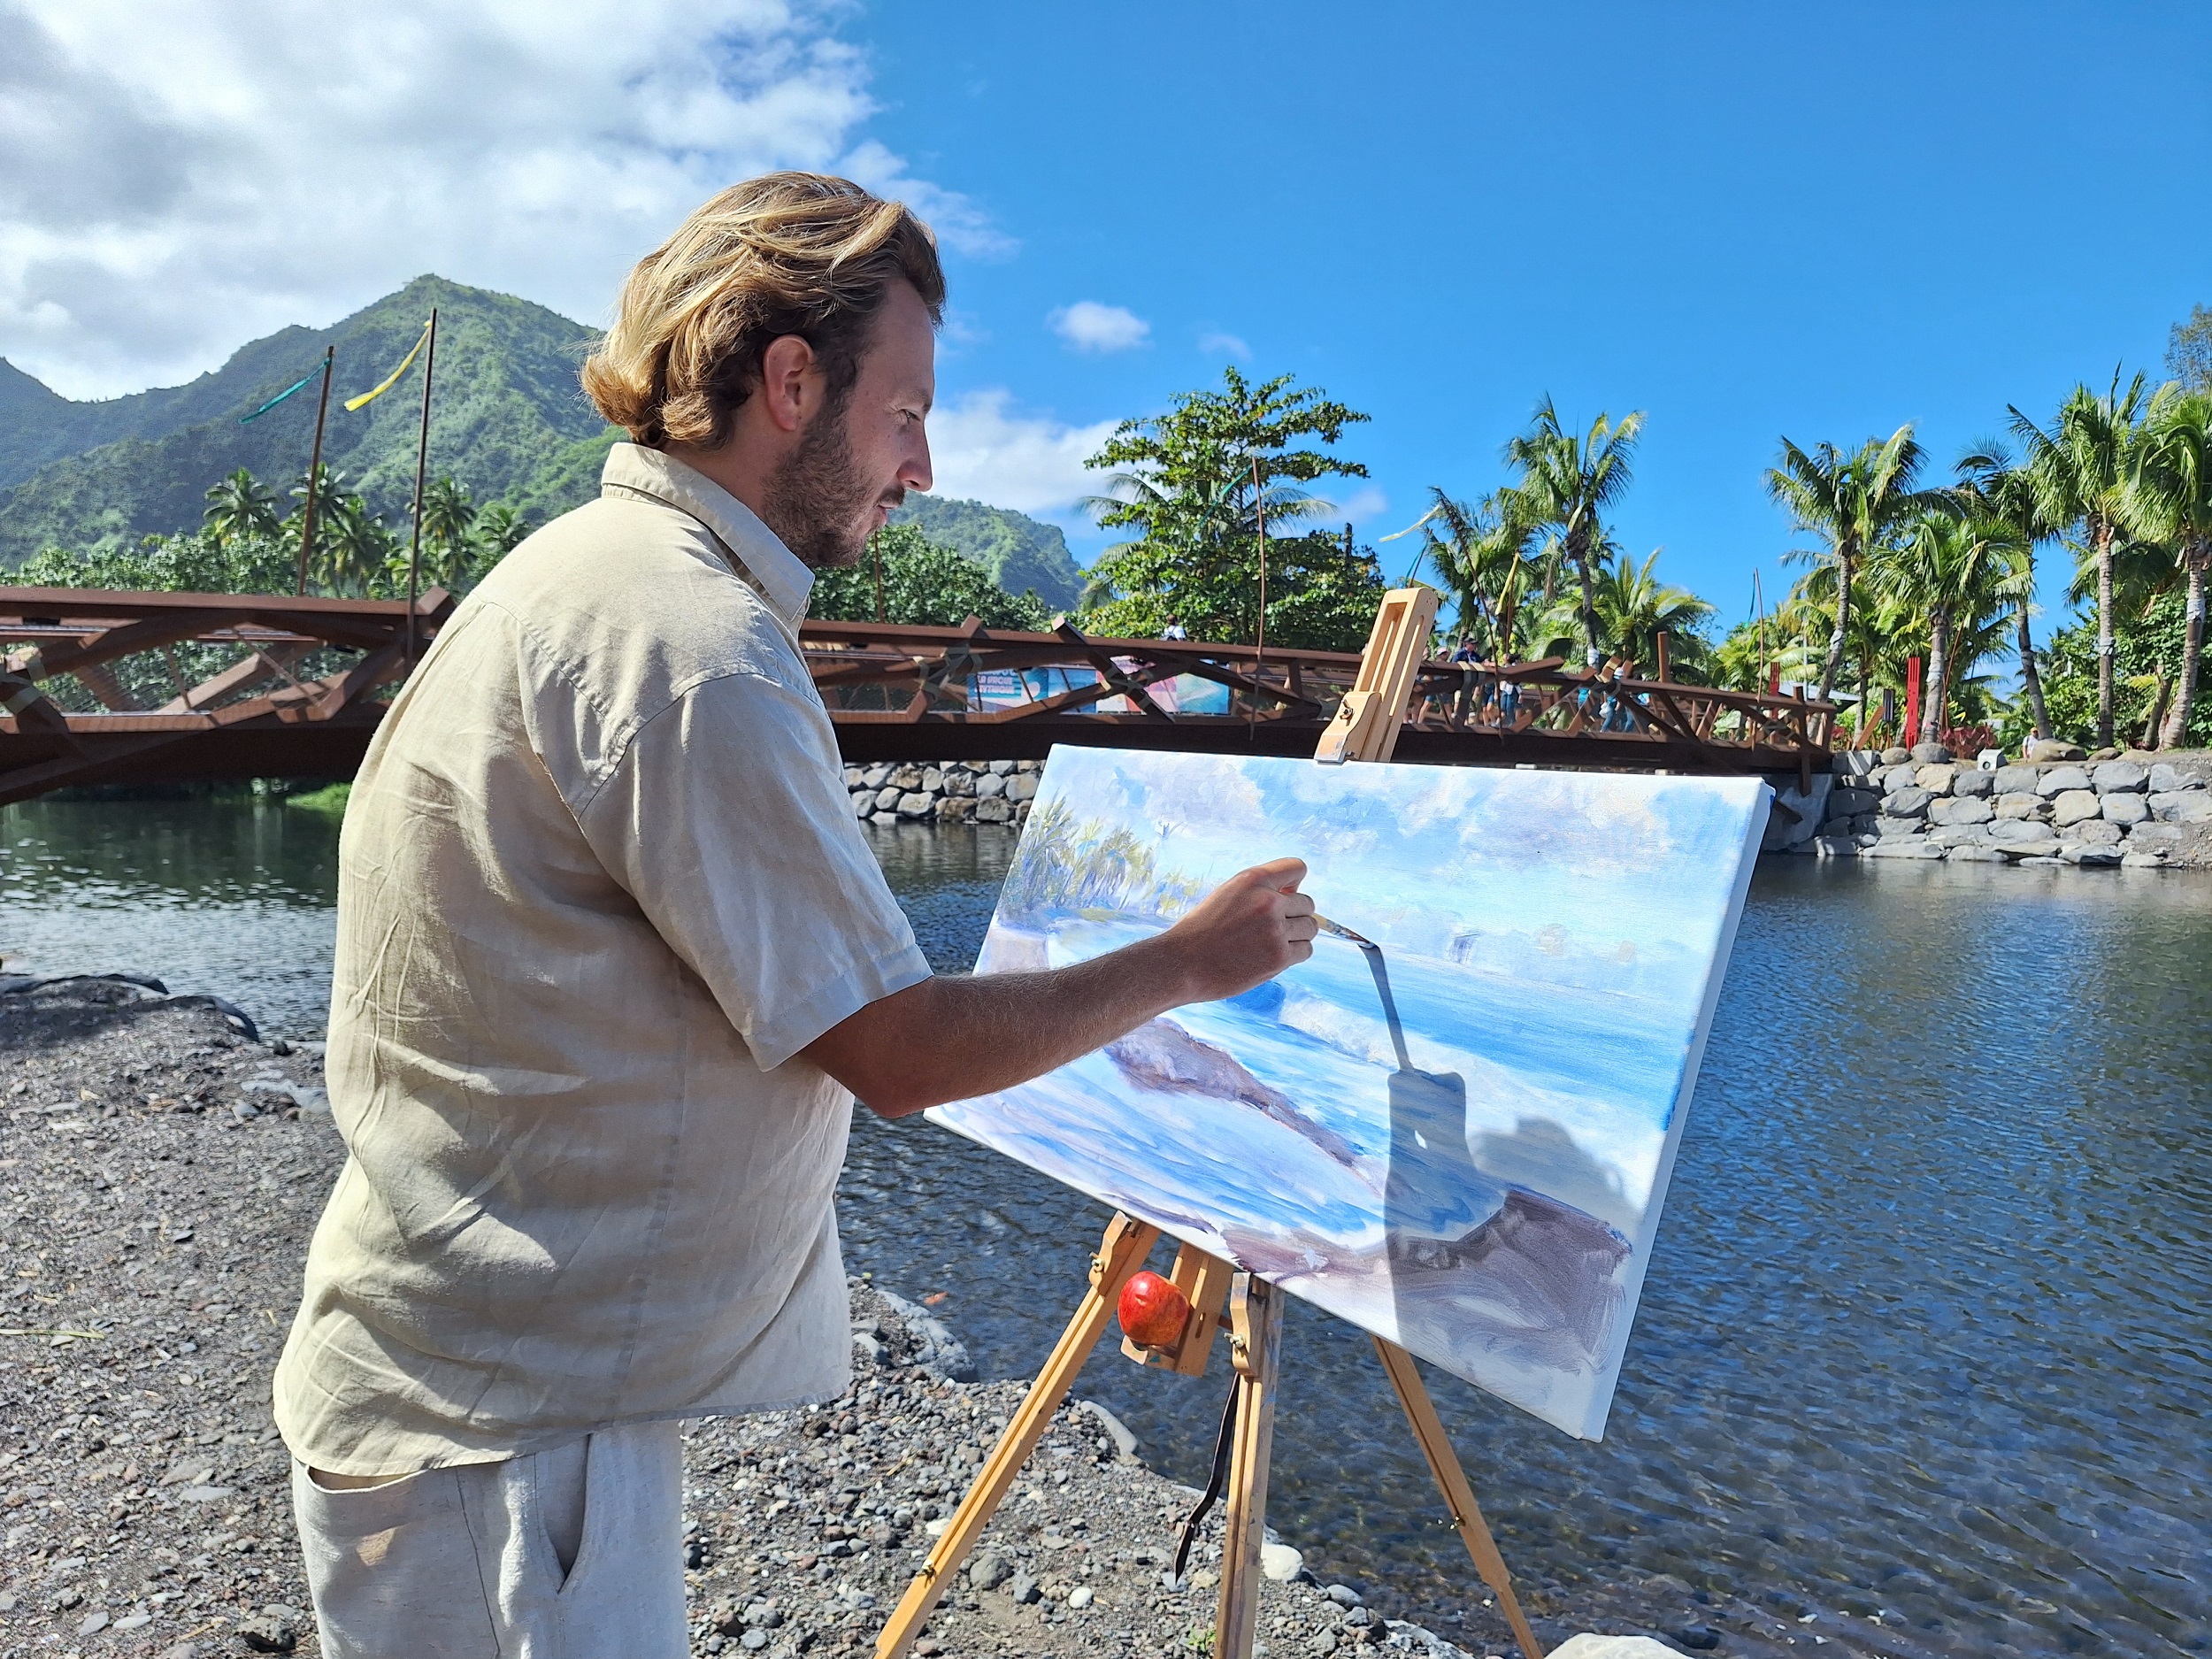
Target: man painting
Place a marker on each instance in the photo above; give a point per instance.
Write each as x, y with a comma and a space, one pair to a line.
614, 960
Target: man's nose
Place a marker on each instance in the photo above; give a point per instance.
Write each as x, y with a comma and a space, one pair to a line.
916, 474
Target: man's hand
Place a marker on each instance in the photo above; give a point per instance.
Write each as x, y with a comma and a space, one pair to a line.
1248, 930
947, 1039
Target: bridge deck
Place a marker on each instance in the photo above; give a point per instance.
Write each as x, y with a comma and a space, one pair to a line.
100, 687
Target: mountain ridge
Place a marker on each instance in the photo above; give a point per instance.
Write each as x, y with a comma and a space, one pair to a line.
509, 420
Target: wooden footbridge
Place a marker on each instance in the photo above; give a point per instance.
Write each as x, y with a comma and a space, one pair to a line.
111, 688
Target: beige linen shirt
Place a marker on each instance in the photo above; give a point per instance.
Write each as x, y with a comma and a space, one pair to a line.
599, 883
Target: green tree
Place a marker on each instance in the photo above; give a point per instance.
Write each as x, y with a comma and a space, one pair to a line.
1991, 488
2147, 658
1193, 484
2189, 351
1635, 608
2082, 467
924, 584
353, 545
448, 517
1947, 578
500, 529
1855, 502
1484, 557
1569, 480
2173, 485
239, 506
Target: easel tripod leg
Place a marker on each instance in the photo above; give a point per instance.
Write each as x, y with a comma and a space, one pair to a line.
1256, 1314
1459, 1495
1119, 1256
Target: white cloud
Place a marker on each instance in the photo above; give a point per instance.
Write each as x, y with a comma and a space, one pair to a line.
1363, 505
1088, 326
1233, 344
174, 181
984, 451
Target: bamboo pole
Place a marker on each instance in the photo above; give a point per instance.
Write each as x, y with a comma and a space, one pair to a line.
422, 458
314, 471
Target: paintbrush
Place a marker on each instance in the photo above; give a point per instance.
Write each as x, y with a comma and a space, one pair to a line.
1340, 930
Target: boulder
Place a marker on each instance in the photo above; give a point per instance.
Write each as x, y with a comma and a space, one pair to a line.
2048, 861
1851, 802
916, 805
1976, 853
993, 809
1590, 1646
1975, 781
2093, 857
1899, 828
1930, 754
1021, 787
2047, 748
990, 783
2075, 806
875, 777
2015, 780
1835, 846
1854, 763
1895, 757
1910, 802
2168, 778
2126, 809
2104, 754
887, 801
2021, 832
1792, 829
2155, 834
932, 780
2120, 777
1959, 835
864, 803
2058, 780
2133, 860
1832, 828
1896, 778
907, 778
2028, 805
1960, 809
2183, 806
1902, 847
2095, 834
1936, 779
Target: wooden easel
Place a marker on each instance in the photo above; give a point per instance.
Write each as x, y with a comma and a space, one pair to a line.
1365, 728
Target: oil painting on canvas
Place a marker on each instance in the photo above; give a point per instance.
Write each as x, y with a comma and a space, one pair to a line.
1452, 1126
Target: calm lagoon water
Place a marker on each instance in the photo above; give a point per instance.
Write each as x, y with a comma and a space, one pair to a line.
1929, 1324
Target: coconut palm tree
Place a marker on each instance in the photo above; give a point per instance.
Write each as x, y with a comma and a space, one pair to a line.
1992, 487
1635, 608
1569, 480
2082, 467
447, 517
500, 530
1949, 575
1482, 555
356, 547
2173, 484
240, 506
1855, 502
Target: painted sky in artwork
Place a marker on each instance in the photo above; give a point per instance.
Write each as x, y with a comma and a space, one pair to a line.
1460, 1143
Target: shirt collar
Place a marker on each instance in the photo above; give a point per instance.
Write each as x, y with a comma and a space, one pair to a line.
781, 577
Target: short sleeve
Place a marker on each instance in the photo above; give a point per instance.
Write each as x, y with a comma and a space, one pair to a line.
728, 822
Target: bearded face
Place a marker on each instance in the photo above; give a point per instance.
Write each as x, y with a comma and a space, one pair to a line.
821, 501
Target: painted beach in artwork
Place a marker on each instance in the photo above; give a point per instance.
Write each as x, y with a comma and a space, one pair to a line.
1458, 1134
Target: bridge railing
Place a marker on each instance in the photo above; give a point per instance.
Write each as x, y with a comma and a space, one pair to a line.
106, 687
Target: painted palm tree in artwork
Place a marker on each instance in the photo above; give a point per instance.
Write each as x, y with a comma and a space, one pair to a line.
1570, 479
1947, 576
240, 507
2083, 466
2173, 487
1855, 502
1993, 488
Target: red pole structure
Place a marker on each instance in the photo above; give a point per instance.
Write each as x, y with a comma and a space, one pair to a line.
1912, 699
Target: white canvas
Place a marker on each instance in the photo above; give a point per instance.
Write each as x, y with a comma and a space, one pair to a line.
1480, 1177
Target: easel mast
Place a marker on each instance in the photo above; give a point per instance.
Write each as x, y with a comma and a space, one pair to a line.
1365, 728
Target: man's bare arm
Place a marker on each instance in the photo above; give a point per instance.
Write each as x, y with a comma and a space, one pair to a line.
947, 1039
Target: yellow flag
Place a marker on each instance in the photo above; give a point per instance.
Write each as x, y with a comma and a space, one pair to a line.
392, 379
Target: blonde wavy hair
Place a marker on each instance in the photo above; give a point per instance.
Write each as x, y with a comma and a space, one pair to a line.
787, 253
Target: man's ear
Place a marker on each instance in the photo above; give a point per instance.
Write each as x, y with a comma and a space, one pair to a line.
788, 382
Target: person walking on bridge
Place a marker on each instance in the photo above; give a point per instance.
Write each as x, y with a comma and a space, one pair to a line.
614, 960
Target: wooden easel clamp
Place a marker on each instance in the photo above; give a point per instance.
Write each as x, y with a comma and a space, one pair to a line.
1365, 728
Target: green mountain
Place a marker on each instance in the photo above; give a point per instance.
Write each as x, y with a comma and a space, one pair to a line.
508, 420
1022, 555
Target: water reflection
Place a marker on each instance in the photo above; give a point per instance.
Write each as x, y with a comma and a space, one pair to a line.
1926, 1326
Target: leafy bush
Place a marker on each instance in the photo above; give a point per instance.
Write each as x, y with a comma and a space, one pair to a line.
924, 585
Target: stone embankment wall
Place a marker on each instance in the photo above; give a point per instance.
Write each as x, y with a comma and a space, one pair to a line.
2141, 810
944, 791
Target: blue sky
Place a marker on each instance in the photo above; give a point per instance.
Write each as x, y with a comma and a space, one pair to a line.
1746, 219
